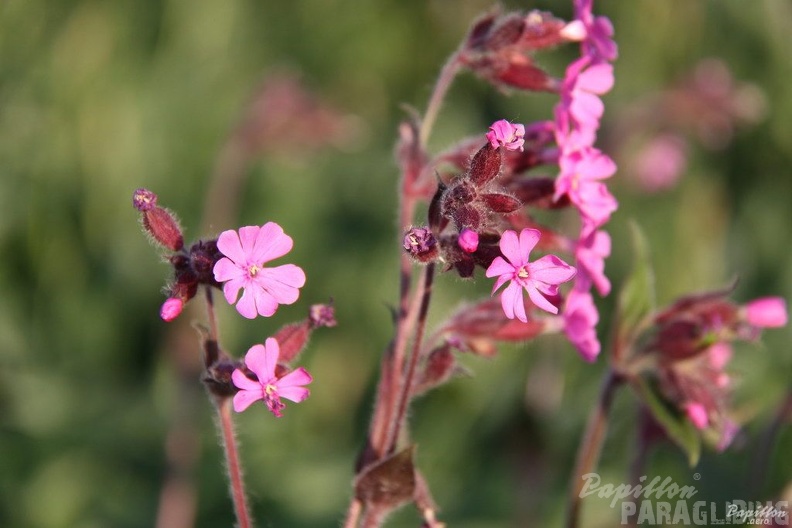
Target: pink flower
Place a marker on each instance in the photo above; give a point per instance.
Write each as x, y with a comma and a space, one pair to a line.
262, 359
590, 254
580, 109
766, 312
243, 268
661, 162
580, 178
468, 240
502, 133
539, 278
697, 414
598, 40
171, 309
580, 324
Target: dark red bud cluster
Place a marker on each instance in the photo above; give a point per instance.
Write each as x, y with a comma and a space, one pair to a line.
498, 49
693, 323
420, 244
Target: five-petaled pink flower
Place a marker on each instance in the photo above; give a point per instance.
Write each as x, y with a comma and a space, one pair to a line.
539, 278
262, 359
502, 133
243, 268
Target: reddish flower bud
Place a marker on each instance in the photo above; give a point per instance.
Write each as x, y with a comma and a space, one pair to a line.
420, 244
501, 203
485, 165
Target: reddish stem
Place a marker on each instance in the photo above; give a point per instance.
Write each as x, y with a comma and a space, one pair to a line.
232, 462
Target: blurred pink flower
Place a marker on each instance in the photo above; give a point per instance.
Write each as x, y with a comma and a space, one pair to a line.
539, 278
261, 360
243, 268
502, 133
468, 240
661, 162
697, 414
590, 254
766, 312
580, 109
598, 40
580, 323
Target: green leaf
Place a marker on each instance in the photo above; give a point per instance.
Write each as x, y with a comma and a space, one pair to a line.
637, 296
678, 429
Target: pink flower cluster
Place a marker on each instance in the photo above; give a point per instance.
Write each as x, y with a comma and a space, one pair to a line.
583, 169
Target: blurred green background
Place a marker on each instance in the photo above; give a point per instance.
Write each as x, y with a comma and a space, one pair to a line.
100, 97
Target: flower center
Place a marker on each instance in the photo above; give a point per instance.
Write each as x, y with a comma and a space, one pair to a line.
253, 270
523, 273
272, 400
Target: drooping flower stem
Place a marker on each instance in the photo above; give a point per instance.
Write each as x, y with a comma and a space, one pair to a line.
591, 445
223, 405
444, 80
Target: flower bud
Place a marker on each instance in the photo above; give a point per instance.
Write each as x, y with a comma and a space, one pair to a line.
468, 240
766, 312
171, 309
697, 414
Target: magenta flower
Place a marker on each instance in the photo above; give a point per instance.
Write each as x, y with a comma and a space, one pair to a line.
578, 113
580, 324
243, 268
468, 240
539, 278
262, 359
766, 312
580, 178
598, 40
502, 133
590, 254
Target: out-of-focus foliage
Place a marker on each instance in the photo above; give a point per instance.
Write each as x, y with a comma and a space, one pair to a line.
100, 97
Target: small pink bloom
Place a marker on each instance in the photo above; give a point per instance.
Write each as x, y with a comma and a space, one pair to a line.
590, 254
766, 312
468, 240
720, 354
598, 41
171, 309
502, 133
261, 360
540, 278
243, 268
580, 178
697, 414
580, 323
661, 162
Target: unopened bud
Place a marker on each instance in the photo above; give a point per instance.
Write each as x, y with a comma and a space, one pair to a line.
171, 309
767, 312
468, 240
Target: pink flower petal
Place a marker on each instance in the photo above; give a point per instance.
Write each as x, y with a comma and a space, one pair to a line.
265, 303
257, 360
297, 377
247, 237
510, 298
528, 240
226, 270
499, 267
247, 303
228, 244
271, 243
295, 394
510, 247
597, 79
539, 300
551, 270
271, 354
244, 399
243, 382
